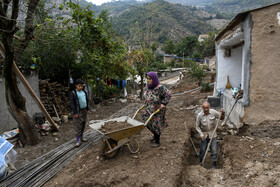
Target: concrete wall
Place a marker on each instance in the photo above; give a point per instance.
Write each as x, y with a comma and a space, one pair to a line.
237, 67
265, 68
246, 60
237, 112
7, 121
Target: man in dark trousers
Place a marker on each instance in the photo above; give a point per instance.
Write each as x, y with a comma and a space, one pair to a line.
79, 105
205, 124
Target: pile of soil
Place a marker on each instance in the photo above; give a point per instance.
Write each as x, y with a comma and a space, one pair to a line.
250, 159
114, 125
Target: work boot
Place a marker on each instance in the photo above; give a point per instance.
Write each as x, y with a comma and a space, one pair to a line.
78, 144
214, 165
84, 140
155, 145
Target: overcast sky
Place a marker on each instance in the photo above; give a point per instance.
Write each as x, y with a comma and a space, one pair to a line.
98, 2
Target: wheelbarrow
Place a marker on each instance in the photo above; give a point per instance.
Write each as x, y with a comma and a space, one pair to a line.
114, 140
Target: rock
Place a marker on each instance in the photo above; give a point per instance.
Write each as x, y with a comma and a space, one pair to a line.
135, 157
56, 119
123, 100
54, 134
56, 139
277, 144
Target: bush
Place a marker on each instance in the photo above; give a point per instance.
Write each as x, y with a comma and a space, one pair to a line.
206, 87
109, 92
197, 71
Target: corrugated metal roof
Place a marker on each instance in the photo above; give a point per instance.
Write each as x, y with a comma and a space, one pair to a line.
238, 18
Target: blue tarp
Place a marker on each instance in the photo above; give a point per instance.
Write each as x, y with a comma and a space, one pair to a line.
10, 134
5, 147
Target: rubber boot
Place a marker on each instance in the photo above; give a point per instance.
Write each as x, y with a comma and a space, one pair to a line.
156, 143
78, 141
152, 140
214, 165
83, 139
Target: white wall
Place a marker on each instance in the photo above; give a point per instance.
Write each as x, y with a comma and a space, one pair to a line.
229, 66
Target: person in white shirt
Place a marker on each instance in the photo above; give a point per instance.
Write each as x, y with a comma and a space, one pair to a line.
205, 124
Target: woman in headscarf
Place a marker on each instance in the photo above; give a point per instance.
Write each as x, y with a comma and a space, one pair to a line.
156, 97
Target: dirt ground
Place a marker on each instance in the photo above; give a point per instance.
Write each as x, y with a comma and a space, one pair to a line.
161, 166
248, 158
65, 133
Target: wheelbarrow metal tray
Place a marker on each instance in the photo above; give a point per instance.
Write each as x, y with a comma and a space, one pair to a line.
119, 134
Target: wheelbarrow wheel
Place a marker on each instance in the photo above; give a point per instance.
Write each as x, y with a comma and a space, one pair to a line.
106, 148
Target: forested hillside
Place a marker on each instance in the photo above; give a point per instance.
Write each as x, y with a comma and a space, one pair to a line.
224, 8
162, 21
230, 8
118, 7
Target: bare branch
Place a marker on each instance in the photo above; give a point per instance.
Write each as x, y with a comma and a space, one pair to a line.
6, 5
2, 13
15, 12
29, 27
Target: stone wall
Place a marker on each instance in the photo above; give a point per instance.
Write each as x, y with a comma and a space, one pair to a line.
265, 67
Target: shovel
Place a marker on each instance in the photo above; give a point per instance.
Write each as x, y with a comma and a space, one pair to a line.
237, 97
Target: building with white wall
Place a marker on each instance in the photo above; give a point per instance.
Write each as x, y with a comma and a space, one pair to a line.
248, 53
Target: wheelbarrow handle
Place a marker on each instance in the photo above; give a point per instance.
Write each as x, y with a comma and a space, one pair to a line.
138, 111
157, 111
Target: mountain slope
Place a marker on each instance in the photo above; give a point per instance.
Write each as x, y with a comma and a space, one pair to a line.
166, 20
118, 7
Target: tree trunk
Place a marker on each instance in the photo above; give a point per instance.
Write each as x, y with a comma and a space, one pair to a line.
15, 100
142, 86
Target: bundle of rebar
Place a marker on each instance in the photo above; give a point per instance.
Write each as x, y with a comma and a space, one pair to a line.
39, 171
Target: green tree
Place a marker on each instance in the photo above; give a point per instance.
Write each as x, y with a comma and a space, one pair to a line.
100, 53
187, 47
141, 59
197, 72
169, 47
208, 45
